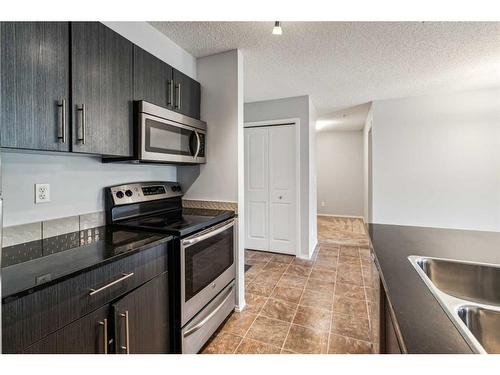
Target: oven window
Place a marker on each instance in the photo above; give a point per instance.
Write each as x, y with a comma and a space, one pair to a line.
207, 260
169, 139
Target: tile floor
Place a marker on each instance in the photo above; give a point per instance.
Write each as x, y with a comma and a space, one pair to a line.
328, 304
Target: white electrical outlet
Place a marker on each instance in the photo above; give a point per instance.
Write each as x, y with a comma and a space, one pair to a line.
42, 193
322, 204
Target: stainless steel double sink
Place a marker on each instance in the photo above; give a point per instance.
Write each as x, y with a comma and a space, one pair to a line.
469, 293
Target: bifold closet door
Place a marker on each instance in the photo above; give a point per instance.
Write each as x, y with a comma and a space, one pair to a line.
282, 193
257, 188
270, 193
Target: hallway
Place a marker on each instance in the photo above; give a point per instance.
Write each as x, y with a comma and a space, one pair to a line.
324, 305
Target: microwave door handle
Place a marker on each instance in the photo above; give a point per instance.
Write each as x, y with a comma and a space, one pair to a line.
198, 144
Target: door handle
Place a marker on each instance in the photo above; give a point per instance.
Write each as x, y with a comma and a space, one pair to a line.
104, 325
81, 109
126, 347
170, 92
178, 103
62, 107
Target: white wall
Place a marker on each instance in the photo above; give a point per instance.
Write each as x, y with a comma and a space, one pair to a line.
221, 178
76, 184
366, 161
436, 161
313, 180
295, 107
340, 173
152, 40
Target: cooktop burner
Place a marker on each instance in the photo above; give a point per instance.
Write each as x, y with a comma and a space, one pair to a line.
188, 221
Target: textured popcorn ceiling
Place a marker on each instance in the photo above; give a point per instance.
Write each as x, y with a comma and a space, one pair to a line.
344, 64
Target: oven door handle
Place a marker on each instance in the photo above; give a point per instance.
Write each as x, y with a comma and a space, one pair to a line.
208, 317
204, 235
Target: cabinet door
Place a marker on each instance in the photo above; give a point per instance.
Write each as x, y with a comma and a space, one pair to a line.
34, 85
152, 79
102, 89
187, 95
142, 319
87, 335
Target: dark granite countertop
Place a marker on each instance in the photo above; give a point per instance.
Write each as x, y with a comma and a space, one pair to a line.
424, 326
32, 265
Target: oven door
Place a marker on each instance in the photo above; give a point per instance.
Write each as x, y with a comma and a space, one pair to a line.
207, 267
167, 141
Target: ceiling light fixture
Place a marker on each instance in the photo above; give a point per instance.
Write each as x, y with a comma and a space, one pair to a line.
277, 28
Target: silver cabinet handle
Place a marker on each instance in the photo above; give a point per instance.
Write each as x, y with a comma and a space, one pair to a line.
124, 277
126, 347
207, 234
208, 317
170, 92
178, 103
82, 110
62, 107
104, 325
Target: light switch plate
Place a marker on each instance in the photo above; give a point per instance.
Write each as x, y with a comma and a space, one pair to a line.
42, 193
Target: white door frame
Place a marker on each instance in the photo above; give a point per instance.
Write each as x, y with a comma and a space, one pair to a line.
288, 121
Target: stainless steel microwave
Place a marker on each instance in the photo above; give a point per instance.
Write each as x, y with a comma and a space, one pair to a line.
165, 136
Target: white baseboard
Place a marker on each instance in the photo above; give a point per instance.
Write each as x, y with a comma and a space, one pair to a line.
344, 216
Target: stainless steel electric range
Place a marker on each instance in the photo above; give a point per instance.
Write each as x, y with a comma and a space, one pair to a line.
201, 259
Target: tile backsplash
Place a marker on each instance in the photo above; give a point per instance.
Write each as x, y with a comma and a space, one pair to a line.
17, 234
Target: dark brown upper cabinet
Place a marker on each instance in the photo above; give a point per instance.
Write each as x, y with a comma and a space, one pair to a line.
34, 85
153, 81
187, 94
102, 90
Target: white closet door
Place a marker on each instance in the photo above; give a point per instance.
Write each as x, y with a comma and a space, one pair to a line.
257, 188
282, 207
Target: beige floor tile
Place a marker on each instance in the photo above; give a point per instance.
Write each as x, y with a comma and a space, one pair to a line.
268, 277
292, 281
327, 266
317, 299
302, 271
349, 306
269, 331
346, 345
349, 251
275, 267
261, 289
287, 294
279, 309
303, 262
282, 258
223, 343
351, 326
306, 340
350, 291
318, 273
238, 323
254, 302
320, 285
249, 346
311, 317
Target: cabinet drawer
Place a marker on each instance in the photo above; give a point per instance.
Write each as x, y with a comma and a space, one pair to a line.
31, 318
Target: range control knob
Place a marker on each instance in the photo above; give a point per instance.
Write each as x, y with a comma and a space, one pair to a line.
128, 193
119, 194
176, 188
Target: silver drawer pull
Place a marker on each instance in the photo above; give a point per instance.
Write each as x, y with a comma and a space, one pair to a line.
124, 277
208, 317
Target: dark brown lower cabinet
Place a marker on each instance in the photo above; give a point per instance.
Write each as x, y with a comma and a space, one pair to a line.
136, 323
142, 319
87, 335
389, 343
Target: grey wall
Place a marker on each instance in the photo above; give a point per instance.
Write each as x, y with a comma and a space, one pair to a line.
295, 107
76, 184
436, 161
339, 156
